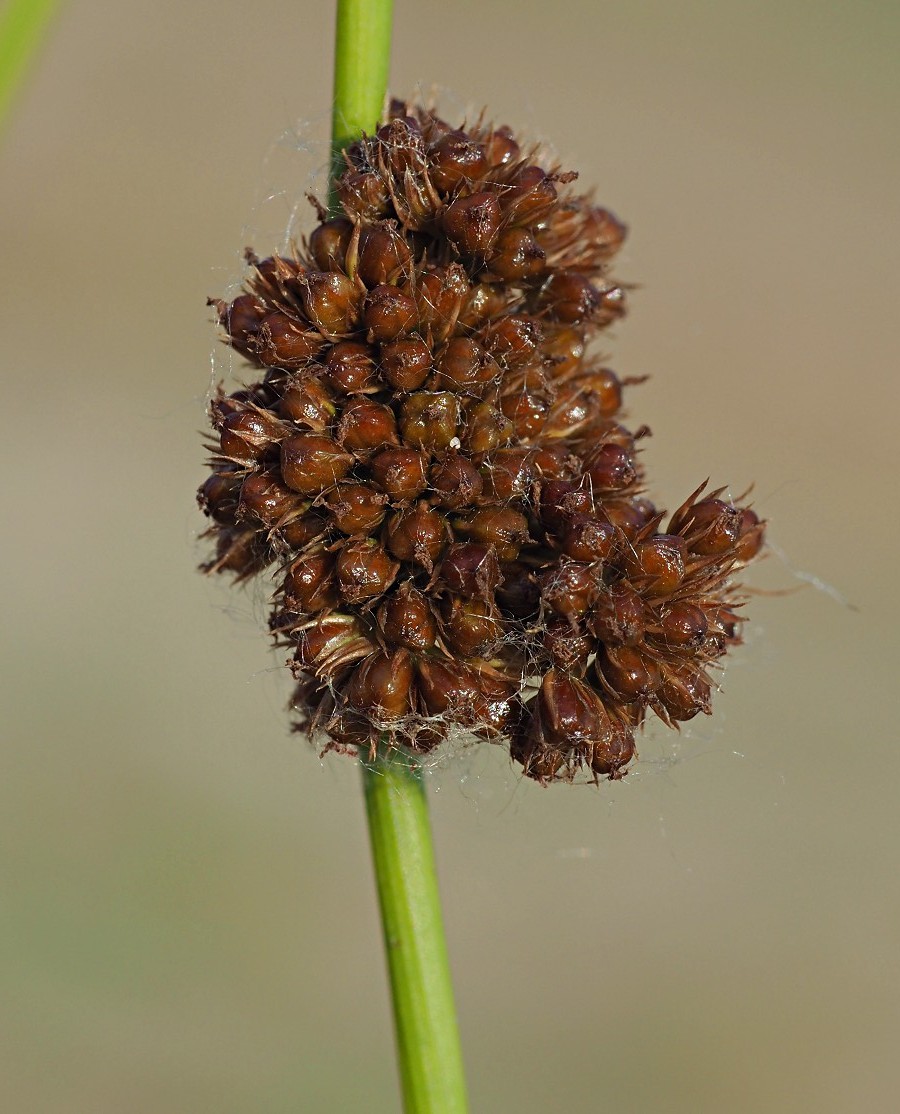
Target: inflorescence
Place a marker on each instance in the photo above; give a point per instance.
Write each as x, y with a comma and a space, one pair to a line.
437, 469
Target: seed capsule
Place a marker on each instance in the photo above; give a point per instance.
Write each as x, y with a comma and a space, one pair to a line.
472, 223
249, 435
298, 532
283, 342
381, 685
330, 301
477, 698
364, 570
455, 481
710, 527
400, 473
563, 350
570, 588
356, 508
463, 366
456, 159
509, 475
329, 242
683, 624
611, 468
514, 340
502, 527
517, 256
567, 646
586, 538
440, 295
658, 562
406, 363
407, 620
266, 499
428, 420
389, 313
416, 535
750, 539
351, 369
563, 500
308, 403
470, 570
363, 195
569, 297
309, 584
684, 692
471, 627
366, 426
530, 197
329, 644
486, 428
311, 463
619, 617
631, 675
218, 496
527, 412
384, 254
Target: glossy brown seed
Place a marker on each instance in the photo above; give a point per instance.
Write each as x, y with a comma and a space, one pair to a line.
569, 297
400, 472
265, 498
463, 366
627, 515
563, 500
455, 481
406, 363
567, 646
364, 195
308, 402
486, 428
384, 254
417, 535
471, 570
367, 426
299, 532
554, 462
501, 147
530, 197
750, 539
502, 527
603, 231
605, 387
239, 551
631, 675
483, 303
311, 462
329, 242
351, 369
563, 350
569, 589
456, 159
684, 692
587, 538
610, 757
440, 295
619, 617
514, 340
241, 319
249, 435
218, 496
517, 256
381, 685
528, 413
389, 313
472, 223
356, 508
331, 301
711, 527
479, 698
364, 570
541, 763
683, 624
611, 468
407, 619
574, 411
658, 563
569, 715
470, 627
429, 420
329, 644
309, 584
283, 342
509, 475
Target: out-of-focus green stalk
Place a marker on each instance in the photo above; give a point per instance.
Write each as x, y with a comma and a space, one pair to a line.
23, 24
428, 1049
362, 55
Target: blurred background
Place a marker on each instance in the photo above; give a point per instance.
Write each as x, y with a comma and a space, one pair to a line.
187, 915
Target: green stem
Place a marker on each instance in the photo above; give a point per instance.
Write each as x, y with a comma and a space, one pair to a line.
431, 1069
362, 54
428, 1051
22, 27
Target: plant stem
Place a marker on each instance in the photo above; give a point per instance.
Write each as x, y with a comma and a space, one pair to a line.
430, 1059
428, 1051
22, 27
362, 53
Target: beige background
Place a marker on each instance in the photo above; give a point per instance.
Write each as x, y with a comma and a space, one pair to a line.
187, 910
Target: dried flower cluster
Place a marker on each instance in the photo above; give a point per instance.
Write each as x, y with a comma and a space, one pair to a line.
439, 472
